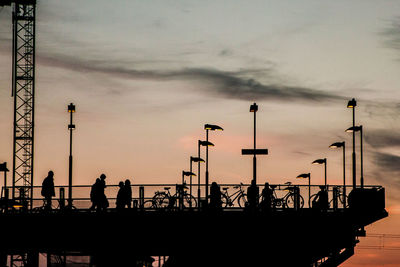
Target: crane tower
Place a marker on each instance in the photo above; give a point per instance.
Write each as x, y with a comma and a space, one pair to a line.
23, 91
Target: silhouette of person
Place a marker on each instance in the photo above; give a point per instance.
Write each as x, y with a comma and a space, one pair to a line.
215, 196
48, 189
103, 201
266, 198
128, 193
252, 195
321, 200
94, 194
121, 196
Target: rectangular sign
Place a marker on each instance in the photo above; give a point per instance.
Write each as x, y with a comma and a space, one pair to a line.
258, 151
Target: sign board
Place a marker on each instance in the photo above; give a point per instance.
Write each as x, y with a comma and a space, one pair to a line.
258, 151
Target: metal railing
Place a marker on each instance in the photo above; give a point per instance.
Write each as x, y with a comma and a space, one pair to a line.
285, 196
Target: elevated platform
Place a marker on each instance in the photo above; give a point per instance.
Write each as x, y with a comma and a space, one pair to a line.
192, 237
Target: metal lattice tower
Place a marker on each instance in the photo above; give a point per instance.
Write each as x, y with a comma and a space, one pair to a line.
24, 95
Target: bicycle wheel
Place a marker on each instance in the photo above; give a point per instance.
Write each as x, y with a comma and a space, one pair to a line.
342, 197
148, 204
224, 201
160, 200
310, 201
290, 201
242, 200
189, 201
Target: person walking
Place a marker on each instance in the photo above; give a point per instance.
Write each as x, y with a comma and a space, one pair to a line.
48, 191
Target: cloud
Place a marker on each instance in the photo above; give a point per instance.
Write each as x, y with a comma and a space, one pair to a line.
388, 162
392, 34
383, 138
227, 84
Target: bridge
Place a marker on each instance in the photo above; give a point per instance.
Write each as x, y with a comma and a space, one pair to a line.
292, 232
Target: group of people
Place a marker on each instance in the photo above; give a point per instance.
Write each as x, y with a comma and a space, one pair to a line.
124, 197
97, 193
99, 199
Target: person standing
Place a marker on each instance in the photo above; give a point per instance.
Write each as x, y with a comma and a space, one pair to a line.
266, 200
215, 196
121, 196
128, 193
48, 191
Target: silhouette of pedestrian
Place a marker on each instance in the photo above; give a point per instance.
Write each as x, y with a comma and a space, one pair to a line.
103, 201
252, 195
128, 193
121, 196
321, 201
95, 195
215, 196
48, 189
266, 198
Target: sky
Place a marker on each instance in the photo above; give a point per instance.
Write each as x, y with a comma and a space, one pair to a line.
145, 77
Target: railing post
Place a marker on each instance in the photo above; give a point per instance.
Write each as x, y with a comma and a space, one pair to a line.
179, 190
335, 198
61, 201
6, 199
296, 198
141, 197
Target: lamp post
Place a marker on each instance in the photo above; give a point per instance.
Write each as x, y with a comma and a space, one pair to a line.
71, 127
307, 175
206, 144
254, 151
181, 188
254, 109
3, 168
209, 127
343, 145
353, 130
352, 104
321, 161
185, 173
193, 159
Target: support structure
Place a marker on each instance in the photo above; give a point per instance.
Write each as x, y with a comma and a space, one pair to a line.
23, 92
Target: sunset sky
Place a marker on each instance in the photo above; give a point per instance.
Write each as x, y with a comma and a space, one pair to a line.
145, 77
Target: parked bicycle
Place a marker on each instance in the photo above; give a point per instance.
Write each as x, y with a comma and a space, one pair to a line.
288, 200
164, 199
239, 196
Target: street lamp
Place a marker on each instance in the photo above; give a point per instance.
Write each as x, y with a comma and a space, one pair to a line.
193, 159
185, 173
303, 176
339, 145
181, 188
71, 127
209, 127
321, 161
3, 168
206, 144
352, 104
254, 109
353, 130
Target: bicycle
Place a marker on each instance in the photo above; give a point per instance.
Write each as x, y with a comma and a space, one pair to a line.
55, 205
164, 199
239, 195
288, 200
340, 197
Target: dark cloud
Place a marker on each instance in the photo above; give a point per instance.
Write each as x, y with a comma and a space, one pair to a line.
232, 85
382, 138
388, 163
392, 34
